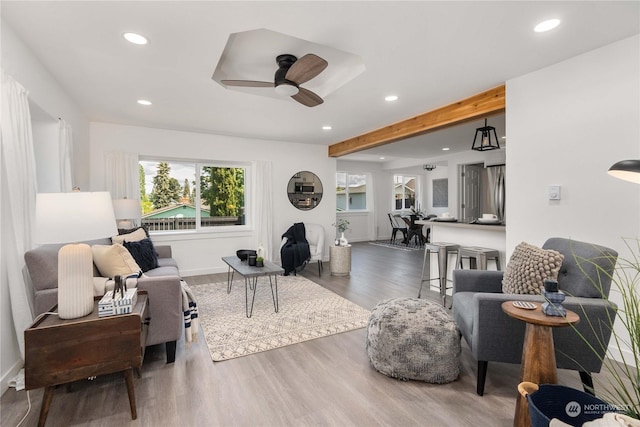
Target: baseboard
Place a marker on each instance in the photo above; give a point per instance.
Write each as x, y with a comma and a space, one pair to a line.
202, 271
618, 354
9, 375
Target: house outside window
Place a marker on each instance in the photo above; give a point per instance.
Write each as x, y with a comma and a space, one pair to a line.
171, 199
351, 191
404, 192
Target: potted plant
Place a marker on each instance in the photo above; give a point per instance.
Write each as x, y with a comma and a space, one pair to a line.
621, 387
259, 261
342, 225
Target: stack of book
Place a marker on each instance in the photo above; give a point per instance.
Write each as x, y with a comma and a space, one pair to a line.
111, 305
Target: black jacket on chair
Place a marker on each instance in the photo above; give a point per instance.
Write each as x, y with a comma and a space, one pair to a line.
295, 252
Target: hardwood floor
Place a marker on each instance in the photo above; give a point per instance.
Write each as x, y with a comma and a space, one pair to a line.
327, 381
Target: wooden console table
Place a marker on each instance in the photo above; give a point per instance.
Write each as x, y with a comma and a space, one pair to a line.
538, 353
61, 351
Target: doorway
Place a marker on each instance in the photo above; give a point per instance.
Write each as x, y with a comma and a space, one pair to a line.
470, 191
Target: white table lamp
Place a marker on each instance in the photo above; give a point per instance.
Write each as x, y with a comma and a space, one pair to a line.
74, 217
125, 211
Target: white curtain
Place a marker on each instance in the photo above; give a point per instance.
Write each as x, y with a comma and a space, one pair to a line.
65, 145
262, 188
121, 175
18, 187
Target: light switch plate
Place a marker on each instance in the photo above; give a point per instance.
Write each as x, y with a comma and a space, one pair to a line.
554, 192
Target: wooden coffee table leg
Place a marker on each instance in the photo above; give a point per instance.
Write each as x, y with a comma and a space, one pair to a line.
46, 404
128, 377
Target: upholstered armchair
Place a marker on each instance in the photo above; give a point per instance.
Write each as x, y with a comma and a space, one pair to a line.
585, 276
315, 237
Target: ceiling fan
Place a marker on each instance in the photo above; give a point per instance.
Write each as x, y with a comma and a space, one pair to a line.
291, 73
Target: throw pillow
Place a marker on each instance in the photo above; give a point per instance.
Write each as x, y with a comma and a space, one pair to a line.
114, 260
528, 267
144, 254
134, 235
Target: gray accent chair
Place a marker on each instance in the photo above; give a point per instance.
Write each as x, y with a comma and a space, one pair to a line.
494, 336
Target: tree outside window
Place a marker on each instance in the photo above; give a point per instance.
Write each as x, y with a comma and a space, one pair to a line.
171, 200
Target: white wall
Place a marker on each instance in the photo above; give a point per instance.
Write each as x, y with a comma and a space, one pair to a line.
201, 253
567, 124
20, 63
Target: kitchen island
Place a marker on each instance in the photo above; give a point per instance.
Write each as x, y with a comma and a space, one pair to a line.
466, 234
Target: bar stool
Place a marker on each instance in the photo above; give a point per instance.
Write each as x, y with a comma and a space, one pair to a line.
478, 257
443, 250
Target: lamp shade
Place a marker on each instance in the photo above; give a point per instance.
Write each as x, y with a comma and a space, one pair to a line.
629, 170
126, 208
73, 217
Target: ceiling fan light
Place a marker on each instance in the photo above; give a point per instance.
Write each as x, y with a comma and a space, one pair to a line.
286, 89
629, 170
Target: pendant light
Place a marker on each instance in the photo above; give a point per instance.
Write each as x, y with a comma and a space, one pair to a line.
488, 138
629, 170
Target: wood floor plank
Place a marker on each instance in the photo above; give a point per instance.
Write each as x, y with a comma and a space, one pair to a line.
326, 381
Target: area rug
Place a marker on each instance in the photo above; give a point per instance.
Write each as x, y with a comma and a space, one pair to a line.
398, 245
306, 311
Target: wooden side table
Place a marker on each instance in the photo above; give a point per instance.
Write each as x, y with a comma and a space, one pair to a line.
340, 260
60, 351
538, 354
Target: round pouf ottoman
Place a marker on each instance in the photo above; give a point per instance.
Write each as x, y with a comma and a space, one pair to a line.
416, 339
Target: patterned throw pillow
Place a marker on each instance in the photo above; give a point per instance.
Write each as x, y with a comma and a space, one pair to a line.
528, 267
114, 260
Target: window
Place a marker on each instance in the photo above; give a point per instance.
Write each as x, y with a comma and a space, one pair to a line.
171, 199
404, 191
351, 191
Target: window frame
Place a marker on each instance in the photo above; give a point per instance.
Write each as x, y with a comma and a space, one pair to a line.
198, 165
346, 191
393, 194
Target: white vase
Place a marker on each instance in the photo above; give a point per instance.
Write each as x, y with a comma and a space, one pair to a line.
343, 240
75, 281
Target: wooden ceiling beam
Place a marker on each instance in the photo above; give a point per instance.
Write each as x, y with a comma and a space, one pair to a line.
481, 105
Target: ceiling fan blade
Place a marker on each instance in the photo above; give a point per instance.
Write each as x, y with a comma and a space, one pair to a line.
306, 68
246, 83
308, 98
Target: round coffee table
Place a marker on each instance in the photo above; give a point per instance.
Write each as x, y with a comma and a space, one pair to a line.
538, 354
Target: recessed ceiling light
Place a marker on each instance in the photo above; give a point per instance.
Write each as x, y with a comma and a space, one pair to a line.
446, 149
504, 137
144, 102
547, 25
391, 98
326, 127
381, 158
135, 38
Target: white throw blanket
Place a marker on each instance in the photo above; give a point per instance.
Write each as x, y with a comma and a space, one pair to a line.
190, 310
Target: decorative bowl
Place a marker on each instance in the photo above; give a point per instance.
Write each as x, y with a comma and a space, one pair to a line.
243, 254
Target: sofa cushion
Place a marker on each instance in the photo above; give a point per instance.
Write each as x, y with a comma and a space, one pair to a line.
528, 267
134, 235
163, 271
114, 260
144, 253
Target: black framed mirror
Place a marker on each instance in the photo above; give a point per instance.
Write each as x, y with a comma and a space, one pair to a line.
305, 190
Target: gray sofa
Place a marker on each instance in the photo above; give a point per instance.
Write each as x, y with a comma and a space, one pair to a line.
161, 283
494, 336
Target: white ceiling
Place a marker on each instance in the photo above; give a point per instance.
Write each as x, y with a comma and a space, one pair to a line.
428, 53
